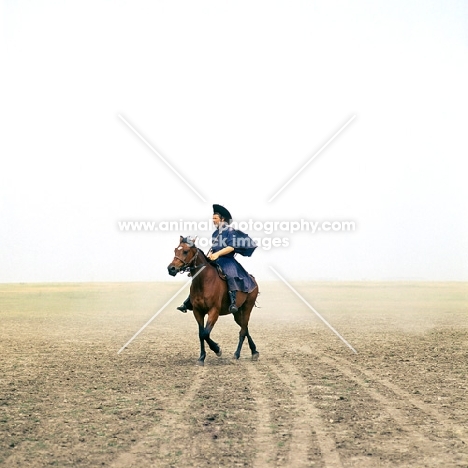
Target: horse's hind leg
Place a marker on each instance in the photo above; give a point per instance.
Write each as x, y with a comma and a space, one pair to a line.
242, 319
239, 344
253, 348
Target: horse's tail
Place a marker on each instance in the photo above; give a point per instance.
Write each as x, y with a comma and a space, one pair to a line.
258, 289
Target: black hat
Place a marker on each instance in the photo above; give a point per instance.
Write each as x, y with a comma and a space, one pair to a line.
223, 212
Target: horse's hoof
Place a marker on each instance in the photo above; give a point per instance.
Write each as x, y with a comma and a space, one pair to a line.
200, 363
255, 356
235, 356
219, 353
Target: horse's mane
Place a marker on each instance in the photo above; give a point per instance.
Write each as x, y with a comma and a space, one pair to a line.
204, 256
188, 240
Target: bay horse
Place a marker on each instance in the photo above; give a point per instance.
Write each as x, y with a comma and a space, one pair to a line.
209, 297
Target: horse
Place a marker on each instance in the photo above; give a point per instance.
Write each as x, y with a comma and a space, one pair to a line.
209, 297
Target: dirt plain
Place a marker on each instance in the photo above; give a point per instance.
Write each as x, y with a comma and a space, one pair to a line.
68, 399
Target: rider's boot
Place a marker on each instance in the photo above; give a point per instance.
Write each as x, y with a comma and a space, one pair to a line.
232, 298
187, 305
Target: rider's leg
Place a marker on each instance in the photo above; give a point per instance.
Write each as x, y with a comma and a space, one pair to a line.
232, 298
187, 305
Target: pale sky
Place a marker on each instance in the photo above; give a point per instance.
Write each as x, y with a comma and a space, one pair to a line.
237, 96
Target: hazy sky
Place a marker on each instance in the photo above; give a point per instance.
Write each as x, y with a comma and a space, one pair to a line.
237, 96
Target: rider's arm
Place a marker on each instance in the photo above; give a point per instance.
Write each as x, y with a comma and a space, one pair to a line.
221, 252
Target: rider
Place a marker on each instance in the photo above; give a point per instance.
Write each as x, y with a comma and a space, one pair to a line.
226, 243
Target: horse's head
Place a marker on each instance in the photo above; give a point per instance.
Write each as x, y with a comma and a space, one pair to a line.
184, 255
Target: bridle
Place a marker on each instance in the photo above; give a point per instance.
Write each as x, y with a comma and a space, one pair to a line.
187, 265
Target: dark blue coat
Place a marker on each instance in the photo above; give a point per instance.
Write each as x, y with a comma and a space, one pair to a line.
237, 277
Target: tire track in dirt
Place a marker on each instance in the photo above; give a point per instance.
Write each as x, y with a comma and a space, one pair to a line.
161, 437
415, 436
445, 423
310, 418
264, 442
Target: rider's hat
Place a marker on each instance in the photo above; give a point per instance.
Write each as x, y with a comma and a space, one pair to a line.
223, 212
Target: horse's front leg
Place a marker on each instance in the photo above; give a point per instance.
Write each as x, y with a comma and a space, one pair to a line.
201, 327
213, 315
204, 335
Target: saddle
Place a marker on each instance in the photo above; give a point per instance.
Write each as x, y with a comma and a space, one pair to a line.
221, 274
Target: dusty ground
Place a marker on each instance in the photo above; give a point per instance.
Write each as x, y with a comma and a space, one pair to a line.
68, 399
